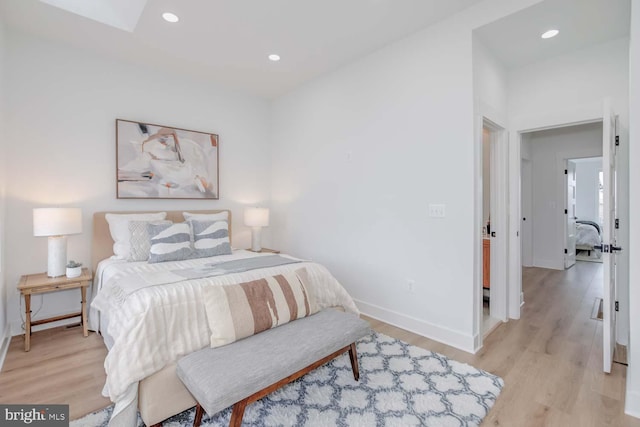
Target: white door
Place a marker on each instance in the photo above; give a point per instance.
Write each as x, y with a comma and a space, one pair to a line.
609, 244
527, 219
570, 215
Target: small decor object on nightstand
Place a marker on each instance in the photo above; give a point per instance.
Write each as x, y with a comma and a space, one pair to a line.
74, 269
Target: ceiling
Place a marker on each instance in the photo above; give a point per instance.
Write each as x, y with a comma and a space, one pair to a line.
228, 41
515, 40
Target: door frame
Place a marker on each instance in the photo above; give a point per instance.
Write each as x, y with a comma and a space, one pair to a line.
549, 120
528, 227
499, 221
569, 211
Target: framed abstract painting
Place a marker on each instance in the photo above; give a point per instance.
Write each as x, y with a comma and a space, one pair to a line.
162, 162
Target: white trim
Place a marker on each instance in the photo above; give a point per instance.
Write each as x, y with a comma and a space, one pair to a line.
477, 235
441, 334
499, 221
5, 340
514, 273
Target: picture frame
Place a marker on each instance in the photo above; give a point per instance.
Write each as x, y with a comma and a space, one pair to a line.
164, 162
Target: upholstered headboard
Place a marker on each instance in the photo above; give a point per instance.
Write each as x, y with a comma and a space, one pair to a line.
102, 243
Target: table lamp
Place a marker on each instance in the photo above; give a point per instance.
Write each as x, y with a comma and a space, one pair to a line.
256, 218
57, 223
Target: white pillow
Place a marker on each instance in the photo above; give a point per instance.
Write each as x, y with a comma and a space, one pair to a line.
220, 216
119, 229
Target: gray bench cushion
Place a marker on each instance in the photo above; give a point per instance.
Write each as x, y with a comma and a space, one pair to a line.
219, 377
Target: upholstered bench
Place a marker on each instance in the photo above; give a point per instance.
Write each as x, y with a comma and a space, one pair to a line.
247, 370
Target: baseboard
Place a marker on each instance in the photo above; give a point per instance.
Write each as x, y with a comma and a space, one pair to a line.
441, 334
632, 404
5, 339
548, 263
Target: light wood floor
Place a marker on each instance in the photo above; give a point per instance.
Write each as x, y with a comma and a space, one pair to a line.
550, 360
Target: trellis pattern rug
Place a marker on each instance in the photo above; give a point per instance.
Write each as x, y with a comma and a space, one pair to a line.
400, 385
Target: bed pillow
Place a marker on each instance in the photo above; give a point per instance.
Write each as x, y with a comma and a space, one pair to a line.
244, 309
119, 229
220, 216
140, 243
169, 242
210, 238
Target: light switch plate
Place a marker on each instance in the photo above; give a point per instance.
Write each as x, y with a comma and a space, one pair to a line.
437, 211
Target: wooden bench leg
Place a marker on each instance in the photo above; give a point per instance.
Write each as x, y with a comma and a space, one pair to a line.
238, 413
353, 355
198, 418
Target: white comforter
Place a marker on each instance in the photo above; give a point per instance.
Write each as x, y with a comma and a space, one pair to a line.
587, 235
156, 325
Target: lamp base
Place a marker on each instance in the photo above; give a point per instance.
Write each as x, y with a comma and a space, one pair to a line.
255, 239
57, 262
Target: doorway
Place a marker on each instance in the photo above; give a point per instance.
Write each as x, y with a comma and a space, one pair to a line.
493, 226
548, 164
589, 209
560, 122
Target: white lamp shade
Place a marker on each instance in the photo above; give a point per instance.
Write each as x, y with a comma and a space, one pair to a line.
256, 217
57, 221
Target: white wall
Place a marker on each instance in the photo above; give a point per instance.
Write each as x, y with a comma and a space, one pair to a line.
587, 183
4, 332
62, 105
490, 96
571, 86
548, 150
490, 85
359, 154
632, 401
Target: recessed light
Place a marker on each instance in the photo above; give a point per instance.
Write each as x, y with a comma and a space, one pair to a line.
170, 17
549, 34
273, 57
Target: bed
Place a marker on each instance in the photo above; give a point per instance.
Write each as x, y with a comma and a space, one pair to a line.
147, 328
587, 236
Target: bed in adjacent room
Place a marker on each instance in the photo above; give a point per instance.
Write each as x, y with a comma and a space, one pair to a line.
152, 313
587, 236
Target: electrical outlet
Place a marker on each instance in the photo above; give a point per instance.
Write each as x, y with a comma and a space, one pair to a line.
411, 285
437, 211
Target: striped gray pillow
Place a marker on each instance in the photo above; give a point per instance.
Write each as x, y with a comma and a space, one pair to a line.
210, 238
169, 242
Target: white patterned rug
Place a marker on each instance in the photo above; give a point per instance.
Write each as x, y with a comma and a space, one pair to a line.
400, 385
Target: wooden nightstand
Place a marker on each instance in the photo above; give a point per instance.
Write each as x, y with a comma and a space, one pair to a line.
32, 284
265, 250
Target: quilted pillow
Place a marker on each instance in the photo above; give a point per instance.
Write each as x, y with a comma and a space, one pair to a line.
210, 238
139, 239
119, 229
169, 242
241, 310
